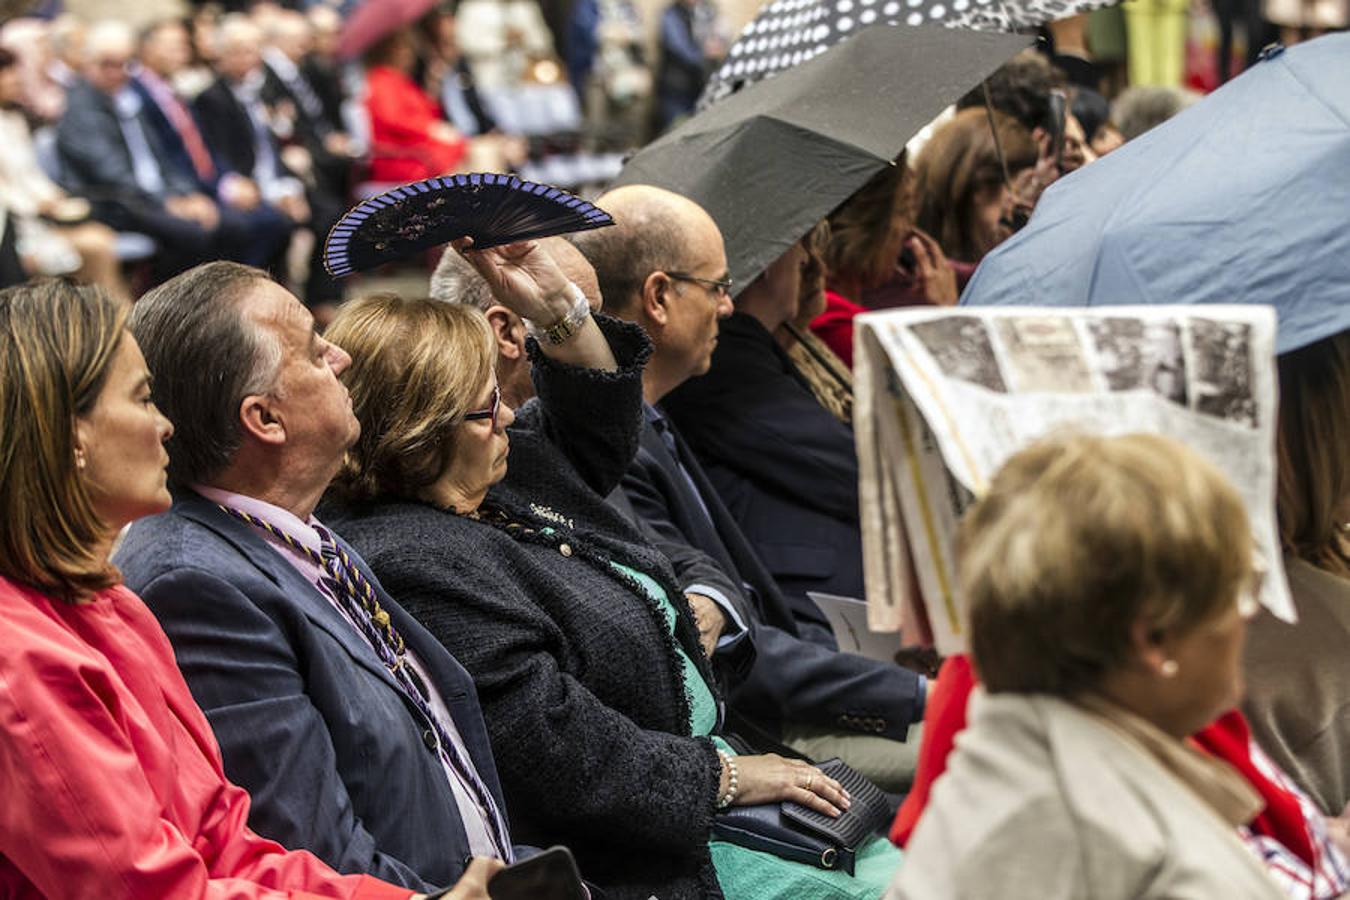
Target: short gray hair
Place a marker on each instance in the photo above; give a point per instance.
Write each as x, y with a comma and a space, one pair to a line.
205, 358
457, 281
108, 35
1143, 107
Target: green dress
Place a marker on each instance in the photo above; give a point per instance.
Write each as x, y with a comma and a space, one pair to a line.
749, 874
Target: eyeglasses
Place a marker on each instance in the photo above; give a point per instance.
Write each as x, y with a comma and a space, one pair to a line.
490, 411
720, 286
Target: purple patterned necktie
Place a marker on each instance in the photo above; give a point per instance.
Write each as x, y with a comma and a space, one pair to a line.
358, 599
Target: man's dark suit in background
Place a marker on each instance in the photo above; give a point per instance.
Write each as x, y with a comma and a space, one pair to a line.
242, 142
783, 466
130, 188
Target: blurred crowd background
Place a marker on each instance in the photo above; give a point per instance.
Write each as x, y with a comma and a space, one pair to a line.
142, 138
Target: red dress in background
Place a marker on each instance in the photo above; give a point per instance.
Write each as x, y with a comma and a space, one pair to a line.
112, 781
401, 116
835, 325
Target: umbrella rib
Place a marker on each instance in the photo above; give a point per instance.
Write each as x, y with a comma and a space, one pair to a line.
1308, 86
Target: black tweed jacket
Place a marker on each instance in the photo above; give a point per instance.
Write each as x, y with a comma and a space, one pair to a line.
578, 677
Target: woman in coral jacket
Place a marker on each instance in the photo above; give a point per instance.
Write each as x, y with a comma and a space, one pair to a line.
113, 786
409, 138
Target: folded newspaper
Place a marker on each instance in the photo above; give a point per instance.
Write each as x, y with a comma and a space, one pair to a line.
944, 396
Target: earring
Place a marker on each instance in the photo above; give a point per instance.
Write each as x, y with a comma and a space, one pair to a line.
79, 459
1170, 668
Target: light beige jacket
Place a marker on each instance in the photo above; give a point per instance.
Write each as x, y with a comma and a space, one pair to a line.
1044, 800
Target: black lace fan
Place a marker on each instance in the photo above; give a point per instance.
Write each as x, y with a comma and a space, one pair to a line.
492, 209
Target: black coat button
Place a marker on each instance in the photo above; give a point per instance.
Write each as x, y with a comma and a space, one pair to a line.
429, 738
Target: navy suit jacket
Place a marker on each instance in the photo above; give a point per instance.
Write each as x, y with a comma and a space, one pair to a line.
798, 674
95, 160
784, 467
169, 140
309, 720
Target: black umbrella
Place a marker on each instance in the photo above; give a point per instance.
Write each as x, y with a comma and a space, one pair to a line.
786, 33
774, 159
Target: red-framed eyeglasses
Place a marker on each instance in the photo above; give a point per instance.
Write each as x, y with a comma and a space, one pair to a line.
490, 411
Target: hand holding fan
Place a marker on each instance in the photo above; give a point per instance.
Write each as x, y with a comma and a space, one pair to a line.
492, 209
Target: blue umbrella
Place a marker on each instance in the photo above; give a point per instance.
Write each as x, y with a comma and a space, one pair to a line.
1243, 198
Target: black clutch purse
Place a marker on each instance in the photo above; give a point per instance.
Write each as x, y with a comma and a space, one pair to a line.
803, 835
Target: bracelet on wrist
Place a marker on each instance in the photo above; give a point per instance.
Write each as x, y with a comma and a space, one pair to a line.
729, 764
568, 325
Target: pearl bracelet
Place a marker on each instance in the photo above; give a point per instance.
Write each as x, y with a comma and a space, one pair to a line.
729, 763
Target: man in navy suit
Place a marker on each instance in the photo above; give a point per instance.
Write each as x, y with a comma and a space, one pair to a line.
663, 267
357, 734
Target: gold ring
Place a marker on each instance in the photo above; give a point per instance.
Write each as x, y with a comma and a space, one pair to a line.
810, 779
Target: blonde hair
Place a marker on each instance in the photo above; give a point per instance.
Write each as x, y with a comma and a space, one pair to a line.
57, 345
1081, 537
418, 365
1314, 436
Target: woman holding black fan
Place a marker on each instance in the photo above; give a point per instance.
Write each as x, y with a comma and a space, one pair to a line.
601, 704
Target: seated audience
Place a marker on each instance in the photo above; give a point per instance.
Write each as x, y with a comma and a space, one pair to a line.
165, 51
1298, 695
110, 152
595, 685
358, 735
55, 236
295, 99
237, 126
800, 688
962, 197
33, 42
1074, 777
113, 781
409, 137
236, 123
67, 36
871, 234
321, 66
448, 78
781, 463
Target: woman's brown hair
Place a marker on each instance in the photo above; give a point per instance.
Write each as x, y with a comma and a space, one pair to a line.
955, 167
859, 226
57, 343
1314, 476
418, 365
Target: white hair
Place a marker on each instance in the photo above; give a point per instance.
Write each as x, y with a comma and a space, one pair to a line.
106, 36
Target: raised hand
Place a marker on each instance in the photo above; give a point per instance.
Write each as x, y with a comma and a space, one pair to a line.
523, 277
933, 274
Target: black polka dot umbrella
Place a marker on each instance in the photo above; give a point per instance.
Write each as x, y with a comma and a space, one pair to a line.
787, 33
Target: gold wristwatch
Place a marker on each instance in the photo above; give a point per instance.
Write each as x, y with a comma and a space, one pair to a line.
563, 329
